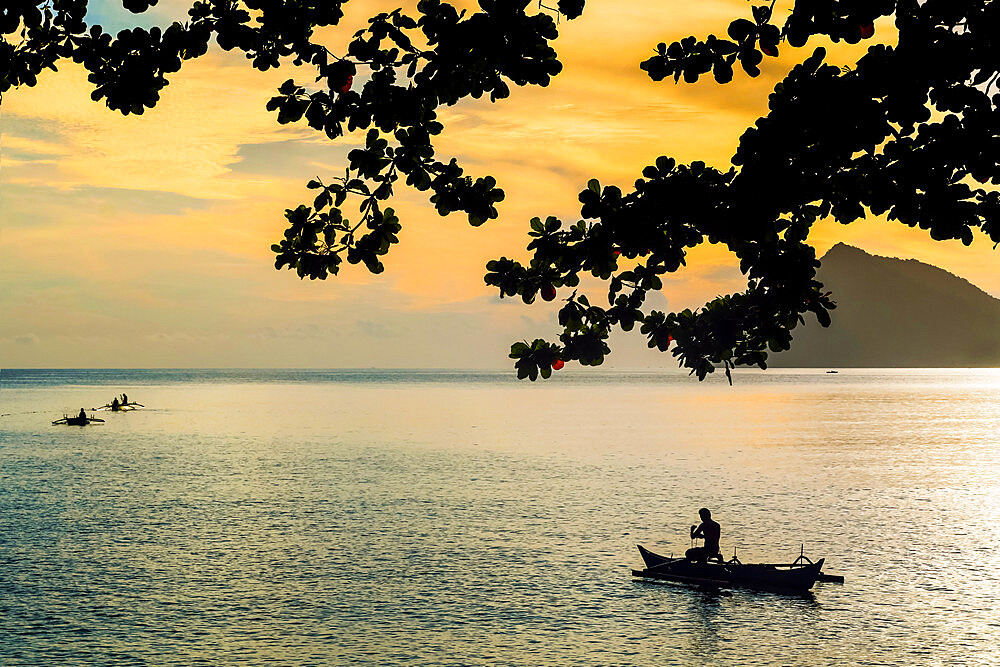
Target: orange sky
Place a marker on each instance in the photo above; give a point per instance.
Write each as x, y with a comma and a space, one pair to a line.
143, 241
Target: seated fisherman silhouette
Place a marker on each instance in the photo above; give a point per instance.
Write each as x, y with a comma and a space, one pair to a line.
710, 531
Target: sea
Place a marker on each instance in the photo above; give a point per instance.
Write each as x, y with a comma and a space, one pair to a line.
440, 517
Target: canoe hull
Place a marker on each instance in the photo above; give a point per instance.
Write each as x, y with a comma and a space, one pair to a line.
793, 577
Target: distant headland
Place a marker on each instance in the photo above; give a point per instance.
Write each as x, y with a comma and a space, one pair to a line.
897, 313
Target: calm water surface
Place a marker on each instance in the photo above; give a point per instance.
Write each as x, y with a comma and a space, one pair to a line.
443, 518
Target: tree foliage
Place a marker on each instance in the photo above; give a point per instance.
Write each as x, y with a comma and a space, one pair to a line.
911, 130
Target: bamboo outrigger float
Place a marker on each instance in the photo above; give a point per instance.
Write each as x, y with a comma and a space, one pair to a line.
798, 576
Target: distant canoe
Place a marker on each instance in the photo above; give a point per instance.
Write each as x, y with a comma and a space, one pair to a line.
77, 421
121, 407
793, 577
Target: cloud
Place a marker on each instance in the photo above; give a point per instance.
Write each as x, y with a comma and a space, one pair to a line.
183, 146
294, 159
37, 206
376, 329
306, 332
23, 148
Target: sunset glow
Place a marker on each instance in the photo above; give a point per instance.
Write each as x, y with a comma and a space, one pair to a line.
143, 241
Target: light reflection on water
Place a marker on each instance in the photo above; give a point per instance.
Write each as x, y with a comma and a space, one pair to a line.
294, 520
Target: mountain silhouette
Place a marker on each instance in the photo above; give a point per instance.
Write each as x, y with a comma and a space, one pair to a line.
896, 313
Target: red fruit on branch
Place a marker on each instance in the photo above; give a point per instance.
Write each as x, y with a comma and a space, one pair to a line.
347, 86
557, 364
548, 292
867, 30
769, 50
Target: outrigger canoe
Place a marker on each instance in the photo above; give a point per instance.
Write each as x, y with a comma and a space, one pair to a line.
77, 421
798, 576
121, 407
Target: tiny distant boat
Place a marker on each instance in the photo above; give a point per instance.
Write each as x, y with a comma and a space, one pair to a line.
77, 421
121, 407
833, 371
798, 576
